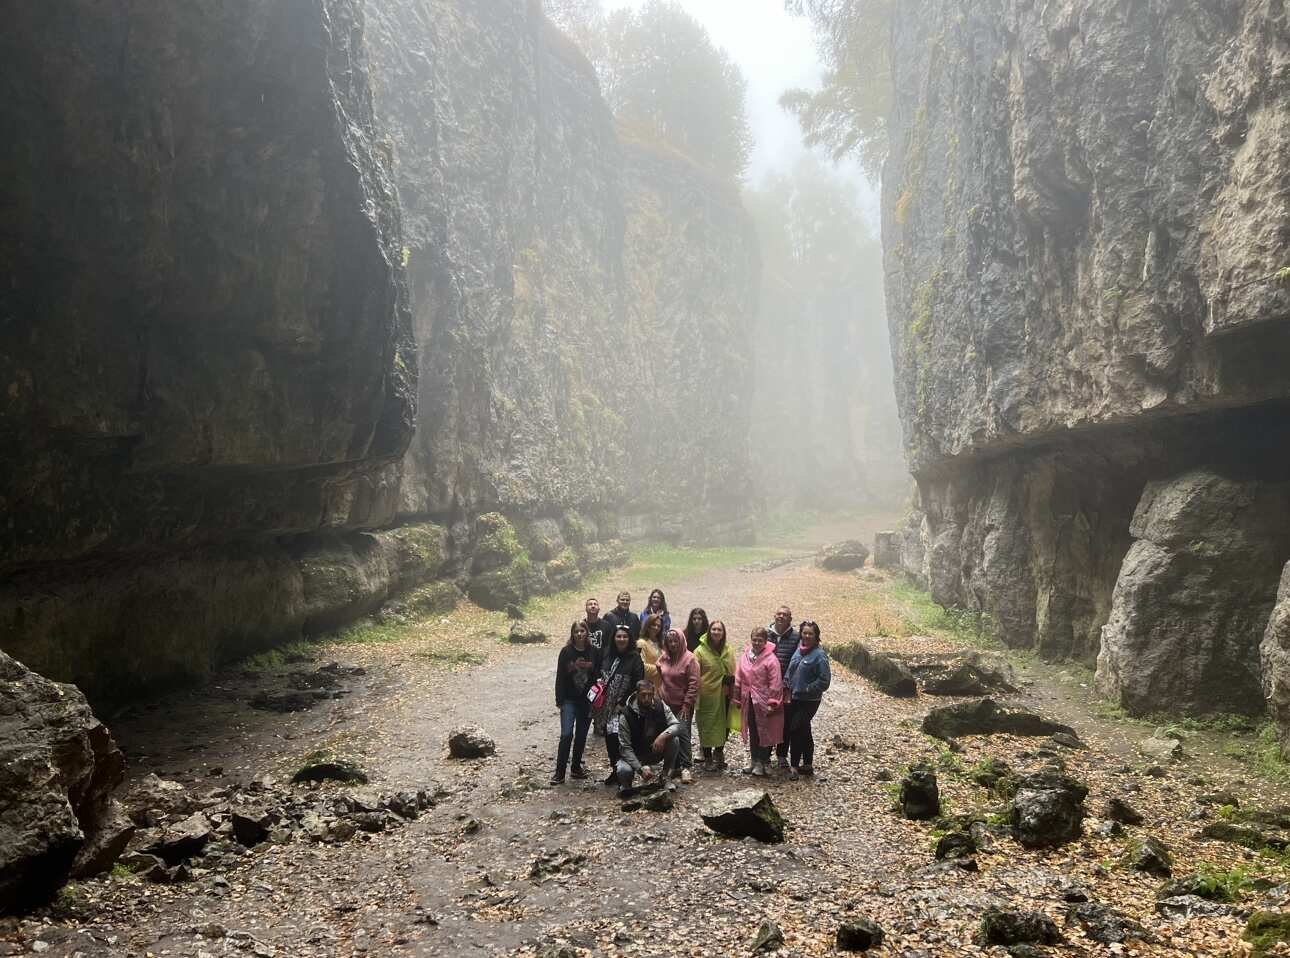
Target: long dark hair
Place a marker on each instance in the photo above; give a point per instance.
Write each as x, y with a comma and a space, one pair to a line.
691, 636
814, 626
573, 631
662, 600
611, 650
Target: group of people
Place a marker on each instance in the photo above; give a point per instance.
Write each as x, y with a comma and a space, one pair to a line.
644, 686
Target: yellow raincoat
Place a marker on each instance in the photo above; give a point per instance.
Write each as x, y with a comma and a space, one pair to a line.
713, 715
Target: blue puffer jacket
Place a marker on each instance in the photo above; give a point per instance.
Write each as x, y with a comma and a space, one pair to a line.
808, 675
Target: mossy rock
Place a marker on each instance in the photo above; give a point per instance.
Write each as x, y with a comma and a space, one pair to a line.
1265, 930
543, 539
594, 557
420, 551
563, 571
511, 585
497, 547
578, 529
434, 598
618, 554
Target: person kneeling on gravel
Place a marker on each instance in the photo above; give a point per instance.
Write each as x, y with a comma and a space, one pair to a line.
648, 735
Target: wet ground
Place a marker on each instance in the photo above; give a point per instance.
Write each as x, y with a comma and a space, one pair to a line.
458, 881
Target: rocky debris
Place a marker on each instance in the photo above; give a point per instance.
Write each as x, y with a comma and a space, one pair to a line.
1119, 810
920, 795
557, 862
470, 742
1006, 927
1184, 907
1048, 809
151, 801
251, 825
106, 844
886, 550
843, 556
522, 633
748, 813
1244, 835
1066, 740
659, 801
987, 717
323, 767
181, 841
1219, 799
974, 674
1105, 925
148, 867
859, 934
58, 767
769, 938
1161, 748
955, 845
884, 671
1151, 856
1265, 930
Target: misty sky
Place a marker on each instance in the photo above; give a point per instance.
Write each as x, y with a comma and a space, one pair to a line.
776, 52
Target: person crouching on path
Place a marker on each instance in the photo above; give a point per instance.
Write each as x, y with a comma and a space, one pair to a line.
575, 671
808, 679
759, 689
716, 684
680, 671
648, 735
650, 646
784, 639
620, 670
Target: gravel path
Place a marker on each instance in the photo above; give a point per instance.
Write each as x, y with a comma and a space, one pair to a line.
457, 881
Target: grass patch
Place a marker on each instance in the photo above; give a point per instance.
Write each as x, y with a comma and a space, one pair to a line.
661, 565
924, 615
282, 657
371, 633
453, 657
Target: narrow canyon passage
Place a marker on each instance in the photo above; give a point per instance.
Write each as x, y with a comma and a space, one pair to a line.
461, 879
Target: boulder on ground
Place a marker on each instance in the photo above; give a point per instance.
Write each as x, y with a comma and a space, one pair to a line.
987, 717
469, 741
1118, 810
152, 800
920, 796
322, 767
1186, 907
1151, 856
106, 844
1245, 836
748, 813
1048, 809
1105, 925
974, 674
660, 801
843, 556
859, 934
886, 550
251, 824
884, 671
1006, 927
769, 938
181, 841
522, 633
1161, 748
58, 766
954, 845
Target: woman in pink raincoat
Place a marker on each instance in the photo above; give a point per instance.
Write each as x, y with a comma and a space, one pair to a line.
759, 690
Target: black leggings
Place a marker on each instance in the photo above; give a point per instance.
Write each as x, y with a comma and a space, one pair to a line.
800, 743
759, 752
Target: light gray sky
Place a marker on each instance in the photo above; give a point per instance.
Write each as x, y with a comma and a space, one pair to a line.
776, 52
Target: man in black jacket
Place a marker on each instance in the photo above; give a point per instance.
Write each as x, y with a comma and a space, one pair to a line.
786, 641
623, 615
648, 735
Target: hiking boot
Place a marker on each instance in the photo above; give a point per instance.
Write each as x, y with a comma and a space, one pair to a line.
719, 760
792, 775
557, 778
686, 777
611, 778
578, 772
807, 770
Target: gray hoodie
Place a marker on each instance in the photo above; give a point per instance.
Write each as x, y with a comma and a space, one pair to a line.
637, 729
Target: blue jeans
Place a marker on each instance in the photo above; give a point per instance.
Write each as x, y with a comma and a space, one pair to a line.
575, 719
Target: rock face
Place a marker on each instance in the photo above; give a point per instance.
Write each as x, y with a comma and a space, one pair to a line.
58, 766
1085, 311
251, 393
1274, 656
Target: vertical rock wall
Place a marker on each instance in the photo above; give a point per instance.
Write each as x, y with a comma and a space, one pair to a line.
209, 378
1084, 220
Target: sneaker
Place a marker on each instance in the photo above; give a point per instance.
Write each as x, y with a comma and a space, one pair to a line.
807, 770
750, 769
557, 779
578, 773
686, 777
671, 786
759, 769
611, 778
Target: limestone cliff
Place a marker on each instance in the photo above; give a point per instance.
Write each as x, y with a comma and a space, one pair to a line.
1085, 215
252, 247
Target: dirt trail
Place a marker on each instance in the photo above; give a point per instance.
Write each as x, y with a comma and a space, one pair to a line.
649, 884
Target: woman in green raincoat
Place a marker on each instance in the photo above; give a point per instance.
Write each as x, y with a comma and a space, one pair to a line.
716, 679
